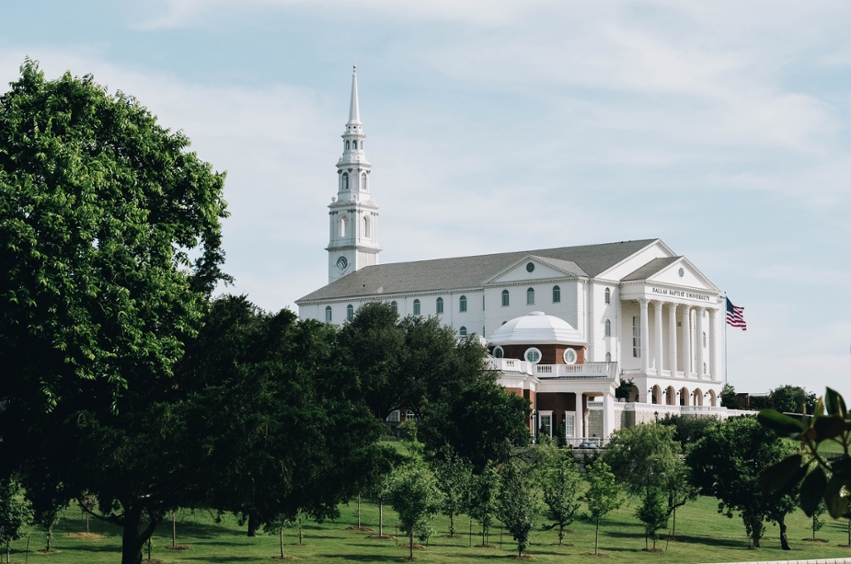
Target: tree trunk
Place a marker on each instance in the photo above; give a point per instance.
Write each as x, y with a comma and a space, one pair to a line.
784, 542
597, 537
87, 522
560, 533
133, 541
252, 524
48, 537
8, 552
380, 519
173, 530
451, 524
411, 546
358, 511
281, 540
674, 526
149, 549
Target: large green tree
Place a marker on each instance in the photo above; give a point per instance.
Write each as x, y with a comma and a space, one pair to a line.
284, 425
602, 496
560, 483
726, 463
111, 243
417, 364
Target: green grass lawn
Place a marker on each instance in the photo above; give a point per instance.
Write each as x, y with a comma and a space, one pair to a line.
702, 536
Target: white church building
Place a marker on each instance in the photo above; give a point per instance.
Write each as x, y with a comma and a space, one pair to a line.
564, 325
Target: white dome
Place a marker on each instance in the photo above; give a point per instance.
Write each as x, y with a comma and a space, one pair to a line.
537, 328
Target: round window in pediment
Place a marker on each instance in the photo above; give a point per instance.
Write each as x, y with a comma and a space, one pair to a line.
682, 272
570, 356
532, 355
530, 267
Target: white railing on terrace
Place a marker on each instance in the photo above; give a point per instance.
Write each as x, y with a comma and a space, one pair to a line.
594, 370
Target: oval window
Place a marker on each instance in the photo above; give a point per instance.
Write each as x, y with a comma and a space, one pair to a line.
569, 356
532, 355
498, 352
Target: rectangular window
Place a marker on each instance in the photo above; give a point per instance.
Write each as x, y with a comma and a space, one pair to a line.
636, 337
546, 425
569, 425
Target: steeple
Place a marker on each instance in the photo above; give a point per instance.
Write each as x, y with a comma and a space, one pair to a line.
354, 108
353, 214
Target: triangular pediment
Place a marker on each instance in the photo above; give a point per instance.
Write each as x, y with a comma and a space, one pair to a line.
681, 272
541, 269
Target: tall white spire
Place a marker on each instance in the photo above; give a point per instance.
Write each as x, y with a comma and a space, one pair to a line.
354, 108
353, 214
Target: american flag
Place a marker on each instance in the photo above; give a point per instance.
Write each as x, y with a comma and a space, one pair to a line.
735, 316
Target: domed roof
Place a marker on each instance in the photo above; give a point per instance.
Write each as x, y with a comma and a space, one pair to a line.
537, 328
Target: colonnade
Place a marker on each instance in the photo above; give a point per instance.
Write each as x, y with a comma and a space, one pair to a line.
691, 357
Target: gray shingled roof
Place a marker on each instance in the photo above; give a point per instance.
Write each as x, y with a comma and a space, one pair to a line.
649, 269
465, 272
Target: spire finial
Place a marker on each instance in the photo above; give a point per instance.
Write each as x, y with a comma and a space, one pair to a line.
354, 109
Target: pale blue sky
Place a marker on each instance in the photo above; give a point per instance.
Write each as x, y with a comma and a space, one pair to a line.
720, 127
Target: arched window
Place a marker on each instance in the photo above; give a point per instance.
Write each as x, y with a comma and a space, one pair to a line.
363, 179
366, 227
354, 144
350, 311
608, 357
608, 296
462, 331
505, 297
345, 181
328, 314
439, 305
530, 296
556, 294
462, 303
608, 328
343, 226
395, 306
416, 307
347, 145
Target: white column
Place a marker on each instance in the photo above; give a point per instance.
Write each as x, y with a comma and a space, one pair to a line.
698, 331
713, 348
643, 335
608, 414
580, 417
672, 337
686, 341
657, 330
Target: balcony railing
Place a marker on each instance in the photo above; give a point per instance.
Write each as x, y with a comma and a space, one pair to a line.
589, 370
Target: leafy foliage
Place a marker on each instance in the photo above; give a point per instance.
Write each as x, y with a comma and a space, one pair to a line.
602, 496
415, 497
518, 503
560, 481
15, 512
100, 208
453, 478
653, 513
729, 399
820, 479
484, 493
726, 464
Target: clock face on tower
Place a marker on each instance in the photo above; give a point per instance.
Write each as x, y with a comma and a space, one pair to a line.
342, 264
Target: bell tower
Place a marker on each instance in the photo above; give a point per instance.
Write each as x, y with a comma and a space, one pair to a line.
353, 216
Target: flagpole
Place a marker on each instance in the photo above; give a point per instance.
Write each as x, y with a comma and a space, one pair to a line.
725, 340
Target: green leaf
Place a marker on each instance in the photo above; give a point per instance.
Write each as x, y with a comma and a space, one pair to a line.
836, 503
776, 476
829, 427
783, 425
833, 403
812, 490
819, 411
